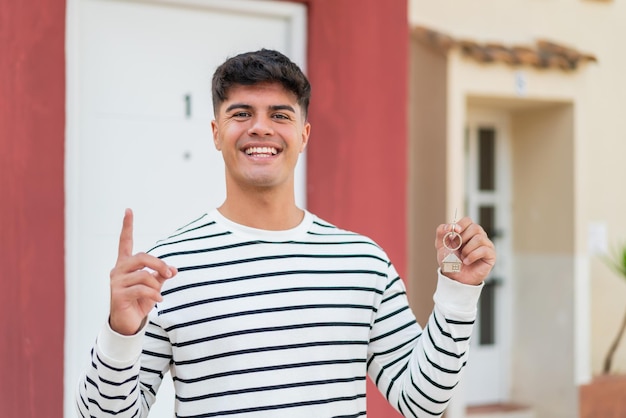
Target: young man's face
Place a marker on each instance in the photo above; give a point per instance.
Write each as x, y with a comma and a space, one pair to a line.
261, 131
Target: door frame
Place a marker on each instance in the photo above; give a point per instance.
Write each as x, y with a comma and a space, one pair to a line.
294, 14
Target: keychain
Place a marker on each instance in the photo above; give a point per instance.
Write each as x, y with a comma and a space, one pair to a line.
451, 263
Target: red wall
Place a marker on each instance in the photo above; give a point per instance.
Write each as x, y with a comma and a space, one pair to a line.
356, 161
32, 123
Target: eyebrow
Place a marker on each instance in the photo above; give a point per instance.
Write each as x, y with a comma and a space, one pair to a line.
247, 106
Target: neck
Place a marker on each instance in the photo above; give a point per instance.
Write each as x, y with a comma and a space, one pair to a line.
262, 210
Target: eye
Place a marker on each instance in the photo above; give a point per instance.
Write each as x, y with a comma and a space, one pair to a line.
241, 114
281, 116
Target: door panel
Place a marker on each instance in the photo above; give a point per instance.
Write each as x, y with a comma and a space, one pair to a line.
487, 200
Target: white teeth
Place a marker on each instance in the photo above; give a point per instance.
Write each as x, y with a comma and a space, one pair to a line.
261, 151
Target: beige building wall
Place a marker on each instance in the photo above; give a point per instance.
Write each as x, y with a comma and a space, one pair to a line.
593, 96
427, 171
543, 185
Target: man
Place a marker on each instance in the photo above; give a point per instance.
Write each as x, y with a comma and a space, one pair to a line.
261, 309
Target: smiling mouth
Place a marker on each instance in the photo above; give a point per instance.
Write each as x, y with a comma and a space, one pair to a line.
261, 151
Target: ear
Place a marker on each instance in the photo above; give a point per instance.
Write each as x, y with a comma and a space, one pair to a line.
216, 141
306, 131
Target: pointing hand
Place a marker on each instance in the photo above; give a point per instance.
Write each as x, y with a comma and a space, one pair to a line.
136, 282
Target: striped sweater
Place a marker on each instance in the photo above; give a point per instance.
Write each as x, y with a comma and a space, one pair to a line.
282, 324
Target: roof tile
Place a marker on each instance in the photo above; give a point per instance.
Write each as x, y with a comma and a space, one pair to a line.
544, 54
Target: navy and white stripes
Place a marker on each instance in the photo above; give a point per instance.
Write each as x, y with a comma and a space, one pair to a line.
282, 324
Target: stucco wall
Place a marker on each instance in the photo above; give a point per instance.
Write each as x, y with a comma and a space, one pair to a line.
543, 349
32, 123
543, 360
543, 181
427, 170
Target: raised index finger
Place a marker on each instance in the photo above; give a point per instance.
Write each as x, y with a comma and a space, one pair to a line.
126, 236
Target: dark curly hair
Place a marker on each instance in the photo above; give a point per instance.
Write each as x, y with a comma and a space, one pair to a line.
262, 66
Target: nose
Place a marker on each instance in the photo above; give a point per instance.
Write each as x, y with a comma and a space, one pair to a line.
261, 126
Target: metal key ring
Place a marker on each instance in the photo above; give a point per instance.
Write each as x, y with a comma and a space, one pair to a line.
452, 235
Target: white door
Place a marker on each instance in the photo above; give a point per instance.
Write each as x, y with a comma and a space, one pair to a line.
488, 203
139, 135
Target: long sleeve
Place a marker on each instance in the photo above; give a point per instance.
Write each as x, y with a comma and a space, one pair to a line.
417, 369
118, 382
